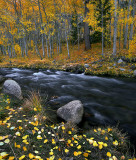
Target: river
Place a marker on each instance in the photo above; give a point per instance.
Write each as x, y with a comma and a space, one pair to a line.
107, 101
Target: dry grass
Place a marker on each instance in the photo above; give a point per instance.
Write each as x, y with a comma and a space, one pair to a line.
34, 101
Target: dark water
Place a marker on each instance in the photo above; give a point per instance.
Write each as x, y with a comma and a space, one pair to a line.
110, 100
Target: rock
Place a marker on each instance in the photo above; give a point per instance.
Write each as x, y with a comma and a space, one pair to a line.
109, 67
54, 61
86, 65
120, 61
12, 87
122, 69
114, 64
128, 60
75, 68
72, 111
135, 73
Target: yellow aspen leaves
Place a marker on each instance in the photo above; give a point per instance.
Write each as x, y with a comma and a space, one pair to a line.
79, 147
6, 141
75, 153
115, 143
106, 138
11, 158
108, 154
25, 137
66, 150
69, 141
69, 132
45, 141
100, 146
25, 141
63, 128
24, 148
53, 141
31, 156
85, 154
22, 157
17, 134
39, 137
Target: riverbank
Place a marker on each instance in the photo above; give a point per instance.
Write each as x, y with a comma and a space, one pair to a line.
28, 132
95, 68
89, 62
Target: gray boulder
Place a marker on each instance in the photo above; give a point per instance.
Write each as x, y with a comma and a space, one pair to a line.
72, 111
86, 65
122, 69
109, 67
120, 61
12, 87
114, 64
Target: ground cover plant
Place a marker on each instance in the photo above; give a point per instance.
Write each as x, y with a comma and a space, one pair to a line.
27, 132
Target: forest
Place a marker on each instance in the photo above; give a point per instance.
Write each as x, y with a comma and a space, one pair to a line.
67, 31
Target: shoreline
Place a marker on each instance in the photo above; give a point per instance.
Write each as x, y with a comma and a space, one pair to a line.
77, 68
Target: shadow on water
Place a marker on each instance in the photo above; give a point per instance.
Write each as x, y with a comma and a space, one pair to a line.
107, 101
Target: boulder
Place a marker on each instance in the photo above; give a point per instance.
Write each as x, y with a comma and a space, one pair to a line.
120, 61
114, 64
122, 69
86, 65
12, 87
109, 67
75, 68
72, 111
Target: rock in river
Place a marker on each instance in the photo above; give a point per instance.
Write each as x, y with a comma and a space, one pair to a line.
72, 111
12, 87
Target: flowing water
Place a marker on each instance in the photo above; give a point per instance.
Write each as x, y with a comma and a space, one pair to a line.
106, 100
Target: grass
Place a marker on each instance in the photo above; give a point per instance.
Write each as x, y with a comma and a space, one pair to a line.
27, 133
33, 102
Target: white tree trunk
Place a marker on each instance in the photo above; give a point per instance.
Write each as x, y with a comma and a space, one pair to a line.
126, 29
67, 43
102, 33
47, 46
132, 24
115, 29
41, 21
